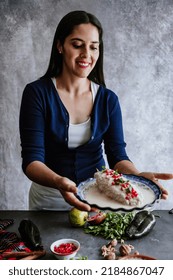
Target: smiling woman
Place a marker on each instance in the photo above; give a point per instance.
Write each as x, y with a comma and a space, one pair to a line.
80, 51
67, 115
90, 30
80, 54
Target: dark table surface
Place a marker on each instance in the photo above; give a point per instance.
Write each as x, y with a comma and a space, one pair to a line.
55, 225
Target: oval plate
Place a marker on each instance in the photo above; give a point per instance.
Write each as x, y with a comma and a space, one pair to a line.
88, 193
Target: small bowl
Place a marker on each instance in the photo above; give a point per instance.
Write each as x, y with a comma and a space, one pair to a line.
65, 256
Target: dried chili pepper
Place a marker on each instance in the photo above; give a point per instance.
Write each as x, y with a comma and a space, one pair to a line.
30, 234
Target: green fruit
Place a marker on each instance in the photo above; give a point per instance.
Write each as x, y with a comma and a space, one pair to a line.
77, 217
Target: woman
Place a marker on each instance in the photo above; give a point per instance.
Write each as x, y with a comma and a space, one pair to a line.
67, 115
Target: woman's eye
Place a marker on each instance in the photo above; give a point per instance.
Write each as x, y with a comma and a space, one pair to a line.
94, 48
77, 46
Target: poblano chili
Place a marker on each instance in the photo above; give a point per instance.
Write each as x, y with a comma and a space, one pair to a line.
142, 224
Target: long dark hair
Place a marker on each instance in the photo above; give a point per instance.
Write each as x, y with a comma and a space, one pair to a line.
64, 29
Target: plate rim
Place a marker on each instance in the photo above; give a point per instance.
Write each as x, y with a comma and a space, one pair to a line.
157, 198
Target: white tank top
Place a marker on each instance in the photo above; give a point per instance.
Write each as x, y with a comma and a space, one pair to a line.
79, 134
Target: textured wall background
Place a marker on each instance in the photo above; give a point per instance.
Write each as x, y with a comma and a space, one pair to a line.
138, 67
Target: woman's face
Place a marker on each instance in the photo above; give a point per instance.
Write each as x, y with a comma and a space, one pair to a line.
80, 50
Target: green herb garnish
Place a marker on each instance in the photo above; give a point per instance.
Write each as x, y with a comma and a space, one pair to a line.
80, 258
114, 226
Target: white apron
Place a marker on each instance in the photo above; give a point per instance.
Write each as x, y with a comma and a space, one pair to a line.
44, 198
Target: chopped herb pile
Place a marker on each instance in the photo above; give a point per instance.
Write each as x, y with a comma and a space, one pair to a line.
80, 258
114, 226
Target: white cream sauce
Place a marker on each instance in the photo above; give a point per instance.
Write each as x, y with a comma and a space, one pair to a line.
94, 196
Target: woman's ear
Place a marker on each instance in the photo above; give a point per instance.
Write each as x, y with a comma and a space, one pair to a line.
59, 47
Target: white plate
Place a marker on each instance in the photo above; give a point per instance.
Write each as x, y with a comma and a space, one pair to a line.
88, 192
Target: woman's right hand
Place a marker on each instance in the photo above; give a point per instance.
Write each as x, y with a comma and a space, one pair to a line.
68, 190
65, 184
41, 174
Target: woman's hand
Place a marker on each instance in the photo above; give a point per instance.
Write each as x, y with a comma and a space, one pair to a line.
155, 178
68, 189
41, 174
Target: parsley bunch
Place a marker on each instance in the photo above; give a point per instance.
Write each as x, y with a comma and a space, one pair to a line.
114, 226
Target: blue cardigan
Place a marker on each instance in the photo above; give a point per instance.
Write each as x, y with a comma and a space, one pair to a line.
44, 123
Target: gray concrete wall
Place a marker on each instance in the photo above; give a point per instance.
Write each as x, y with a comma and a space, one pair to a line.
138, 37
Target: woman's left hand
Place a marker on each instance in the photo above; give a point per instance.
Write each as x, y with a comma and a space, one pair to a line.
155, 178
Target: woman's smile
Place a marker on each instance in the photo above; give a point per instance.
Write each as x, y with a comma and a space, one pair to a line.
83, 64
